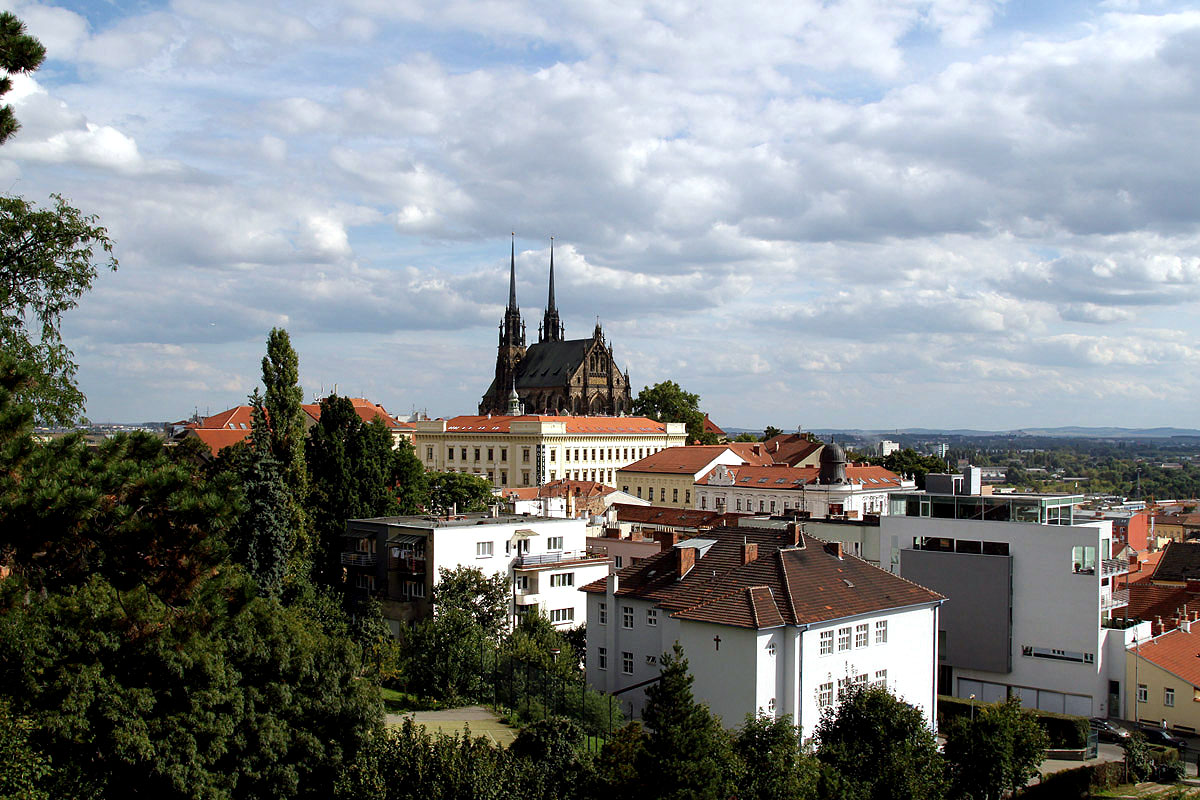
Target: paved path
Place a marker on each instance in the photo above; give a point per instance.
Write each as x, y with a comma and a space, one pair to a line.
480, 720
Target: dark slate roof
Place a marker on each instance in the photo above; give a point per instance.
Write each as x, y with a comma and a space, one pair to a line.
1180, 561
547, 363
782, 586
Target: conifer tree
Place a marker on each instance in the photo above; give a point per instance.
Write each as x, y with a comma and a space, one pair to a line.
283, 403
262, 535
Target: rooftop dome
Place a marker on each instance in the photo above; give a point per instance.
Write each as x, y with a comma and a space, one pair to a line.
833, 465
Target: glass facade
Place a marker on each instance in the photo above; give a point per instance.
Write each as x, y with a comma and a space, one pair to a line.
1037, 509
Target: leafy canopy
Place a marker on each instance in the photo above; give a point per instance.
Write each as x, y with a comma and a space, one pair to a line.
669, 402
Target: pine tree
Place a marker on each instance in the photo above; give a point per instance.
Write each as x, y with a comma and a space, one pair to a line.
262, 536
687, 754
283, 403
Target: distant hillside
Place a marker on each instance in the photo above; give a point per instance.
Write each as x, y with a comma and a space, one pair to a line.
1067, 432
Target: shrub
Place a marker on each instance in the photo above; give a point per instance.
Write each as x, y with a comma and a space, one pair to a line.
1065, 731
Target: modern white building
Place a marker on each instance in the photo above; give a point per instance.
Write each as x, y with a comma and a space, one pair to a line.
771, 620
396, 560
530, 450
1030, 596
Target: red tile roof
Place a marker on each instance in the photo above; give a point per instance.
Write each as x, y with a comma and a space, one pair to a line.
791, 448
1178, 652
1147, 601
365, 409
662, 515
712, 427
218, 439
783, 585
500, 424
562, 488
691, 459
780, 477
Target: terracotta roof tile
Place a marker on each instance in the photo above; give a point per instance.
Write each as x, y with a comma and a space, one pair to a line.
691, 459
500, 424
780, 477
791, 448
1179, 561
1178, 652
1147, 601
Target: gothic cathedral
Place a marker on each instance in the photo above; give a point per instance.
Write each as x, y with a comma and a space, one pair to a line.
555, 376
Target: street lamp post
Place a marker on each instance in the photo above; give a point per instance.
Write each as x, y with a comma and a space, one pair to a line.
972, 709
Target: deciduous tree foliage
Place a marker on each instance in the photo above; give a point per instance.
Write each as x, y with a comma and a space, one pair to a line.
409, 479
485, 599
668, 402
773, 765
996, 752
48, 259
459, 492
881, 747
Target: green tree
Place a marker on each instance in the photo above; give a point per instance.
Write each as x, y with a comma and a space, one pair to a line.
443, 656
995, 752
909, 462
458, 492
551, 754
1138, 763
770, 432
881, 747
350, 469
283, 404
484, 598
773, 764
19, 53
48, 259
746, 437
688, 753
24, 770
409, 479
669, 402
616, 769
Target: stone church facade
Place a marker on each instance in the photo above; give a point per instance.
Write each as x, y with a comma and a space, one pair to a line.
556, 375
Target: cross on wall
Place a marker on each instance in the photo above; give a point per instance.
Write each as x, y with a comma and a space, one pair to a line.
717, 641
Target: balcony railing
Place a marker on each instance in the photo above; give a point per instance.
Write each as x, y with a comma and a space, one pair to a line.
551, 558
413, 564
356, 559
1119, 598
1113, 566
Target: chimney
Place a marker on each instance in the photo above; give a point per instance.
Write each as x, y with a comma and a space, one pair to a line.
749, 551
1193, 585
794, 537
756, 449
685, 559
834, 549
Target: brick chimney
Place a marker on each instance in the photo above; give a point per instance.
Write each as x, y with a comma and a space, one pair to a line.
834, 549
685, 559
749, 552
756, 449
793, 535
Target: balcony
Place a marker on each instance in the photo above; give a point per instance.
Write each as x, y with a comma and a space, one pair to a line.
527, 598
357, 559
1119, 598
1113, 566
542, 559
414, 565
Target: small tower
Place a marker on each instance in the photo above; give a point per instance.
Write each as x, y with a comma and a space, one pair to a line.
514, 402
552, 327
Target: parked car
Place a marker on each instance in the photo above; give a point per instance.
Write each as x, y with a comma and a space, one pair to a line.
1108, 731
1161, 737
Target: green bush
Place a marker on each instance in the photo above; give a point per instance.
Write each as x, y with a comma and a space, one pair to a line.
1064, 730
1080, 782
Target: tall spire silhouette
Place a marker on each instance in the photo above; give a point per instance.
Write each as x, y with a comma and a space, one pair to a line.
552, 327
512, 275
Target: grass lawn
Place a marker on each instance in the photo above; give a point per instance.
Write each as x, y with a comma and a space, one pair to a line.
1151, 790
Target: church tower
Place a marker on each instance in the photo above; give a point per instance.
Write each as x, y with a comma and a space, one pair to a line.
551, 329
512, 329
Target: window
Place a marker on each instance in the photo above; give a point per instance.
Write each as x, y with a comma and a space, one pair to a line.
413, 589
1143, 695
675, 495
483, 549
1168, 697
881, 632
601, 658
618, 562
703, 502
504, 454
476, 453
577, 454
627, 662
627, 617
504, 477
562, 615
593, 454
826, 642
639, 492
862, 635
554, 542
429, 453
772, 506
771, 649
602, 616
521, 583
687, 496
491, 457
552, 452
449, 453
843, 639
825, 695
525, 455
662, 494
464, 454
880, 678
739, 504
762, 505
562, 579
651, 616
524, 477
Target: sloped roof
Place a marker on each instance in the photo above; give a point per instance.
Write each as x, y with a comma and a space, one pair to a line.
548, 364
561, 488
791, 448
781, 477
498, 423
218, 439
236, 418
783, 585
1180, 561
1147, 601
365, 409
1178, 652
712, 427
690, 459
662, 515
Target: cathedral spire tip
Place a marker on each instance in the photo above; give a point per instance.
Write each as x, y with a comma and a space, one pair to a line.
512, 275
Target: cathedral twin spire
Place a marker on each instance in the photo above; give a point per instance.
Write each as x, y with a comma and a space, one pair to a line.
551, 329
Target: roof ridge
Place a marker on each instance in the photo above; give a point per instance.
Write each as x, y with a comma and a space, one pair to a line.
787, 585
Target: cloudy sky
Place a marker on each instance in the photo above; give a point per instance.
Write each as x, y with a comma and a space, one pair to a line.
869, 213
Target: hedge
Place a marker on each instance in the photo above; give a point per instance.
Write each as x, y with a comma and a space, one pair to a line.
1064, 730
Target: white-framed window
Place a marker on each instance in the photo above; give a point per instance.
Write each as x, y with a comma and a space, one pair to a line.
844, 638
554, 542
562, 615
601, 658
771, 705
1143, 694
880, 678
1168, 697
771, 649
862, 635
651, 616
881, 631
602, 615
618, 562
521, 583
825, 695
562, 579
675, 495
826, 642
627, 662
483, 549
627, 617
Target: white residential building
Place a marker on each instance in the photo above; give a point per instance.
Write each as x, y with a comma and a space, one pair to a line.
529, 450
771, 620
396, 560
778, 489
1030, 596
